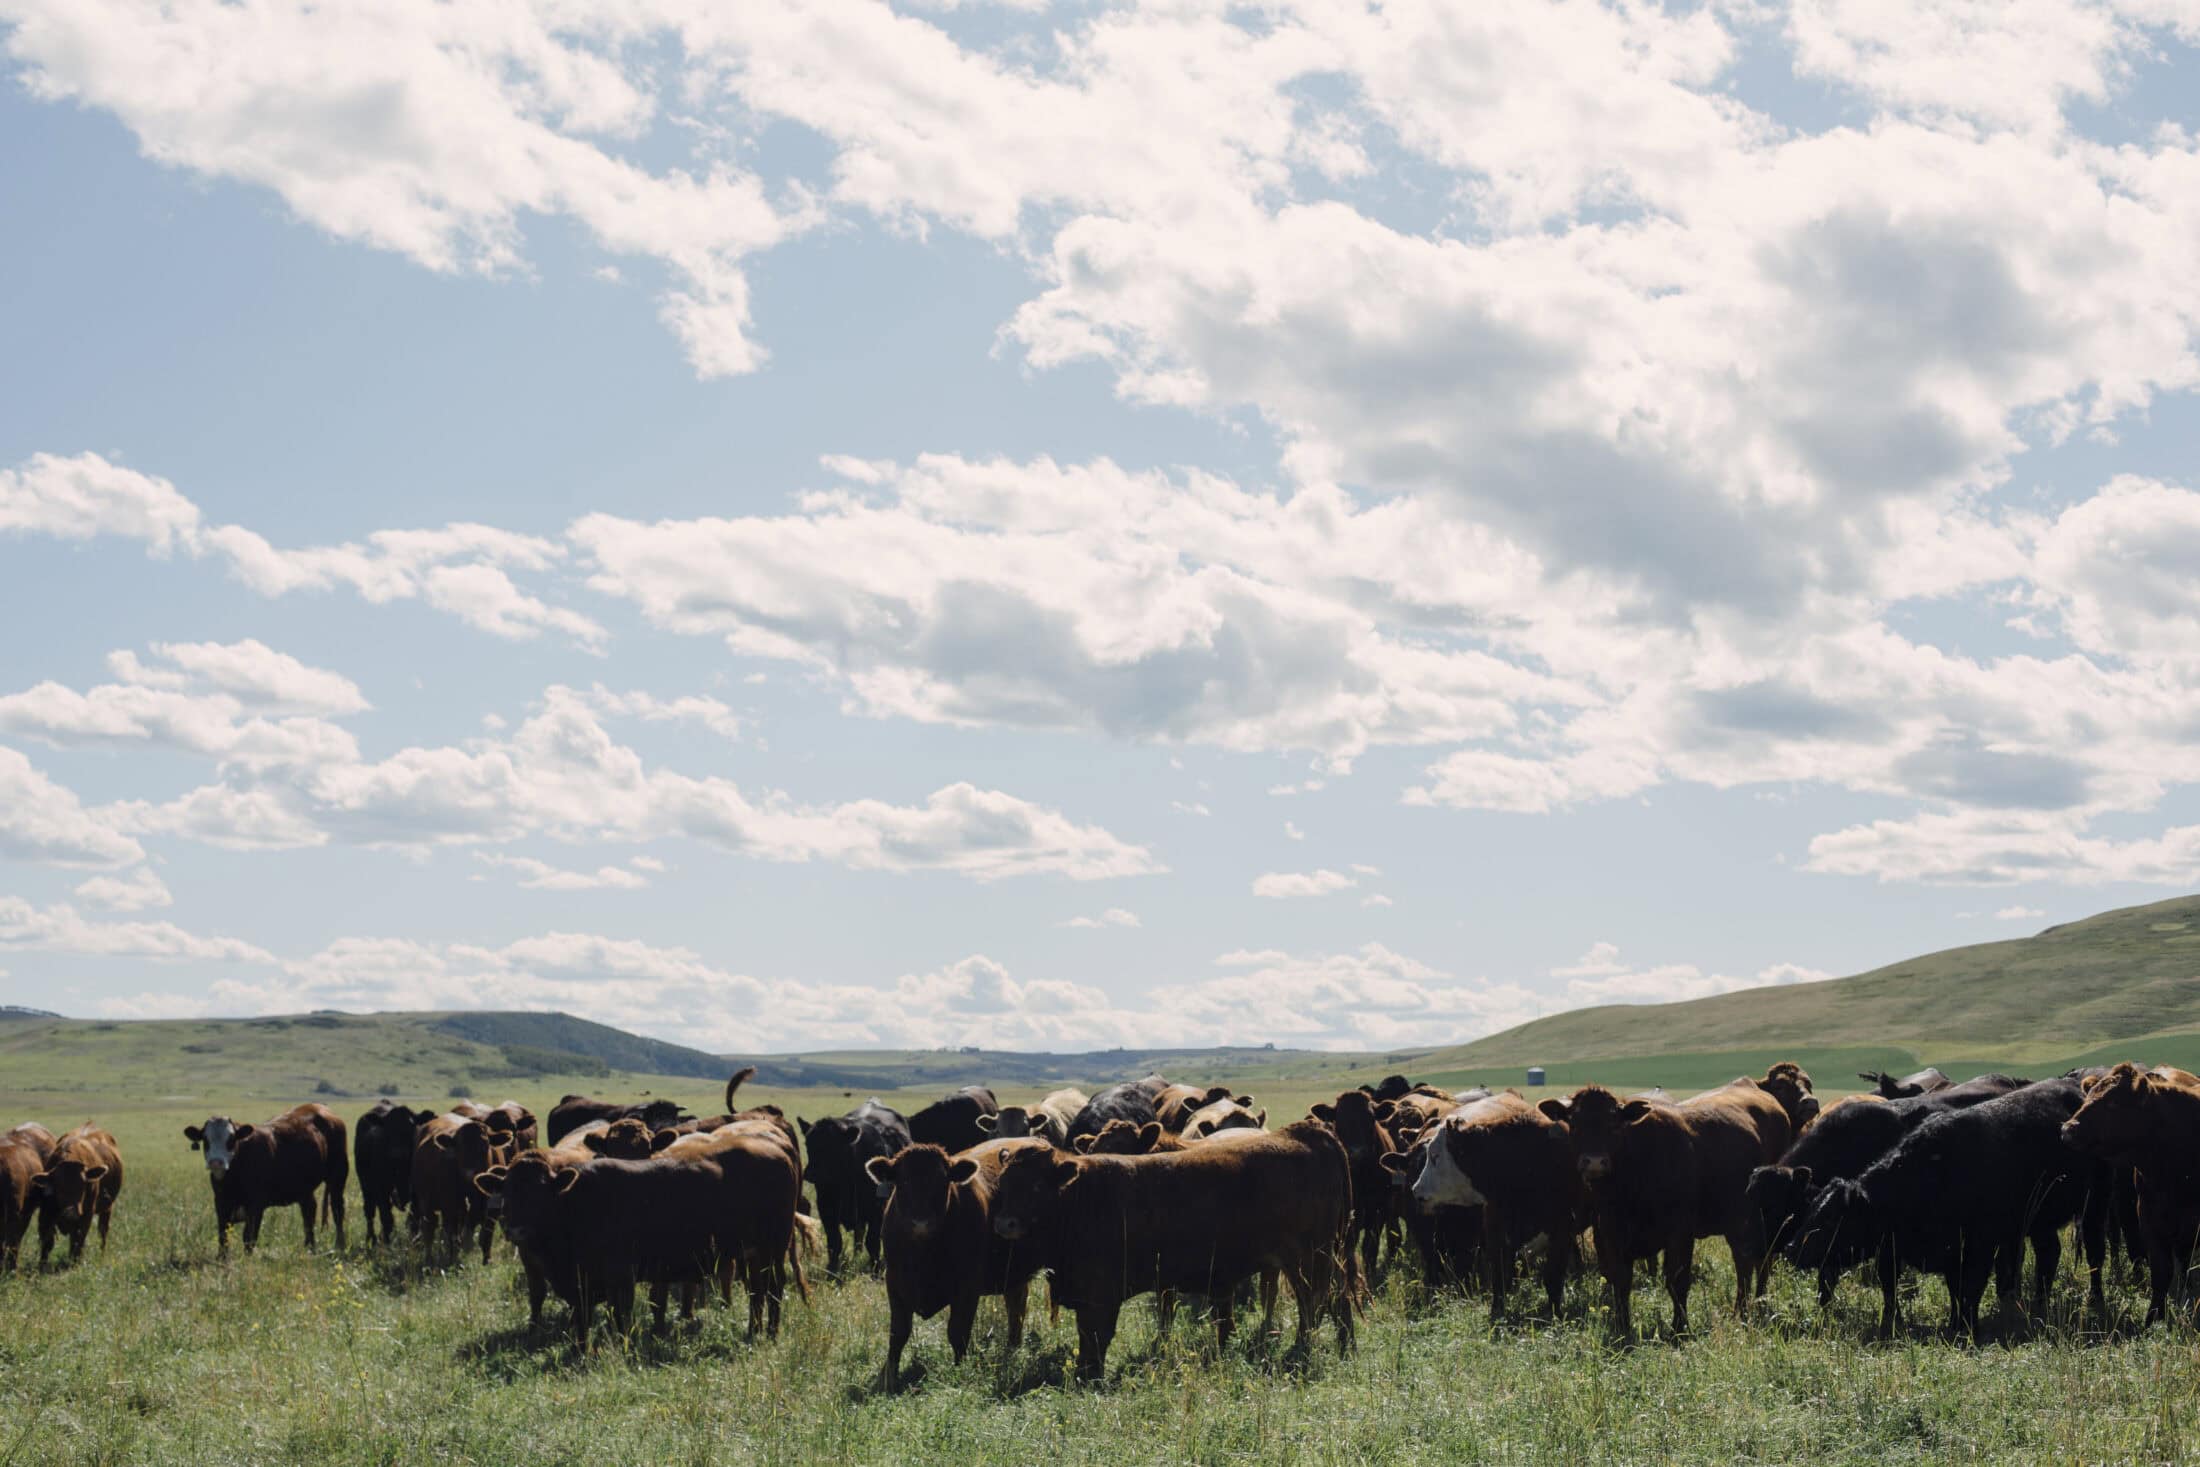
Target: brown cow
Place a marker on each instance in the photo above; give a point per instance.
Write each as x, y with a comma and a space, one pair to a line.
79, 1184
1788, 1083
941, 1250
1223, 1115
1121, 1138
1660, 1176
625, 1139
1202, 1220
24, 1153
1360, 1123
448, 1154
1175, 1105
277, 1164
2149, 1121
1515, 1163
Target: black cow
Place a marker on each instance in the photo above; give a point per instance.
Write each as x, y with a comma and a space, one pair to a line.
951, 1122
1845, 1140
1391, 1087
1132, 1102
575, 1111
1960, 1194
382, 1156
840, 1148
1927, 1081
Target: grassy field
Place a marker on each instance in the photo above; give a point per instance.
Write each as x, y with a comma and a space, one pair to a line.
159, 1353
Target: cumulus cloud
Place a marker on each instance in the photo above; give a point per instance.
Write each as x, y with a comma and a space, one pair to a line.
133, 891
2019, 913
42, 821
1112, 917
61, 929
542, 876
1288, 885
1599, 976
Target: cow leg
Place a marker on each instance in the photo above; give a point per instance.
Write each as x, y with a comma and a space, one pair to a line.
1890, 1298
1680, 1267
333, 1196
962, 1316
900, 1320
1498, 1263
77, 1232
771, 1270
1748, 1273
252, 1217
1555, 1261
832, 1242
1164, 1306
1095, 1332
2046, 1258
1015, 1298
2093, 1230
1268, 1293
537, 1287
657, 1292
1619, 1276
305, 1215
46, 1233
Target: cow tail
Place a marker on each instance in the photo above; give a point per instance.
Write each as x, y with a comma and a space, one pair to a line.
809, 1237
795, 1248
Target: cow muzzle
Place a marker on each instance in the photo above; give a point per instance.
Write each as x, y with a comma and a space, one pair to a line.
1010, 1228
1595, 1168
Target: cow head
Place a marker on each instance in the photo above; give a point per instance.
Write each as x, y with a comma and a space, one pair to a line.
1028, 1189
661, 1115
1597, 1122
1839, 1229
919, 1183
527, 1195
469, 1143
1357, 1118
2121, 1111
1012, 1120
1122, 1138
1222, 1115
1787, 1083
219, 1138
625, 1139
832, 1146
1775, 1198
1446, 1174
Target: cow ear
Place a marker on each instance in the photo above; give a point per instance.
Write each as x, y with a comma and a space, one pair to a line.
1261, 1116
805, 1125
1394, 1162
1065, 1171
1407, 1137
1635, 1110
593, 1141
881, 1170
989, 1124
441, 1140
1083, 1142
490, 1182
1149, 1135
42, 1185
1553, 1107
570, 1178
1383, 1110
1322, 1110
94, 1173
963, 1170
2087, 1085
193, 1135
661, 1140
1803, 1177
1246, 1101
243, 1132
1215, 1093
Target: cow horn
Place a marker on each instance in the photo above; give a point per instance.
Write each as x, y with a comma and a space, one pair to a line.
746, 1072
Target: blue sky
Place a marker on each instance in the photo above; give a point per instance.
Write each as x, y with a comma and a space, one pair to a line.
851, 523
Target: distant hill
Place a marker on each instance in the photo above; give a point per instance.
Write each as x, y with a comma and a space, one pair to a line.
557, 1033
2126, 981
947, 1068
17, 1011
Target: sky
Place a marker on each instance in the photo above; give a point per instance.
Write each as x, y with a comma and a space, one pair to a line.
837, 523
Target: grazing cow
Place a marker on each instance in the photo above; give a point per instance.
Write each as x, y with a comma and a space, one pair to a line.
1659, 1176
575, 1111
941, 1250
1514, 1163
80, 1184
1132, 1102
840, 1147
1175, 1105
449, 1152
1787, 1083
2148, 1121
1908, 1087
1959, 1194
24, 1153
952, 1122
277, 1164
1226, 1114
1847, 1137
601, 1229
382, 1155
1202, 1220
1049, 1120
1121, 1138
1359, 1121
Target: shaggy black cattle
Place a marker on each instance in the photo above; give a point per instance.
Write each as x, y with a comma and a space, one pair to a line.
1132, 1102
1959, 1194
382, 1157
1839, 1146
840, 1148
951, 1122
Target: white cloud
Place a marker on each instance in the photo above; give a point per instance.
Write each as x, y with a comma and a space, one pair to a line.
1194, 807
1284, 885
1376, 899
133, 891
1600, 977
542, 876
250, 671
42, 821
59, 929
1292, 832
1112, 917
2019, 914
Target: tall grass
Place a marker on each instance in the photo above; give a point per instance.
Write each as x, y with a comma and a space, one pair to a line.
157, 1352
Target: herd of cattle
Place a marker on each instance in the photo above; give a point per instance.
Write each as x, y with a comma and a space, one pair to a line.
1184, 1192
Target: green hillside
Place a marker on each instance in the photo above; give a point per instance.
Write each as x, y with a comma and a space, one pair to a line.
2115, 984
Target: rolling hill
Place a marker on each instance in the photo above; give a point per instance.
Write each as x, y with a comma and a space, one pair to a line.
2125, 982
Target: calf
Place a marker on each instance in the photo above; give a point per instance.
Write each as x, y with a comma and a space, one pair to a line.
952, 1122
1133, 1102
1659, 1176
279, 1163
1358, 1119
575, 1111
80, 1183
840, 1148
2148, 1121
1121, 1138
1847, 1137
1515, 1163
1202, 1220
941, 1250
382, 1155
24, 1152
449, 1153
1959, 1194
